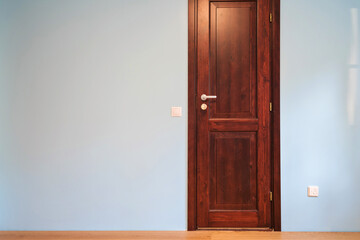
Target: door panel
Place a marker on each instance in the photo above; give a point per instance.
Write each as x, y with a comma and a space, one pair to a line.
233, 58
233, 132
232, 170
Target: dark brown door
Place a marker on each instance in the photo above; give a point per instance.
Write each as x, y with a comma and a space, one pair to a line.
233, 129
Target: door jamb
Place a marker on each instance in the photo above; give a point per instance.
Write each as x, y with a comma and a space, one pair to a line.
275, 116
192, 62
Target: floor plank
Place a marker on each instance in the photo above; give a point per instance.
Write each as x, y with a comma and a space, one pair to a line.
178, 235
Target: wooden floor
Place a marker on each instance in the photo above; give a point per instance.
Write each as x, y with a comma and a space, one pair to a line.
201, 235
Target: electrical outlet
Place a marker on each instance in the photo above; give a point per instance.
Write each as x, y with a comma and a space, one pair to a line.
313, 191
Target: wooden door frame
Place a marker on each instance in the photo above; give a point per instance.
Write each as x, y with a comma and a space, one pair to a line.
275, 116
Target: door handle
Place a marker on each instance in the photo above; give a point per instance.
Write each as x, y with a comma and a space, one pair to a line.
204, 97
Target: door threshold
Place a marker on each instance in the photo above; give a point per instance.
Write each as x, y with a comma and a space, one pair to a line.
234, 229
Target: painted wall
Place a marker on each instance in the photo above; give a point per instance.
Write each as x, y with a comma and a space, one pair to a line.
87, 141
320, 114
86, 137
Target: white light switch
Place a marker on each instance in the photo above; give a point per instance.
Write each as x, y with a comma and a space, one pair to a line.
313, 191
176, 111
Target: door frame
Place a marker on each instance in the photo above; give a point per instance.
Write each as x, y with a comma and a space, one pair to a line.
275, 116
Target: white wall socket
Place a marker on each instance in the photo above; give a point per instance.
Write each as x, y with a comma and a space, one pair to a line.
313, 191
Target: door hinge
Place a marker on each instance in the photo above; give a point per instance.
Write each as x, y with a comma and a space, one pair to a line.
270, 107
271, 197
271, 17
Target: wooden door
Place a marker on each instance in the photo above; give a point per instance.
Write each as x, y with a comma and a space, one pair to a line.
233, 129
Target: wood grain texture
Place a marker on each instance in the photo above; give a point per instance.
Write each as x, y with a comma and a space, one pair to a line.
179, 235
233, 62
263, 95
191, 115
275, 27
233, 59
220, 218
229, 124
233, 170
202, 116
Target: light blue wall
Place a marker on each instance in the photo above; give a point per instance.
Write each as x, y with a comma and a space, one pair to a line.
86, 137
87, 141
320, 114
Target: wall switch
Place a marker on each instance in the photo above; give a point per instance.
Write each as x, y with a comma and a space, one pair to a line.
176, 111
313, 191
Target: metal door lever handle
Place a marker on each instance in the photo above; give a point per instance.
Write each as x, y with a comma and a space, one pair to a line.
204, 97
